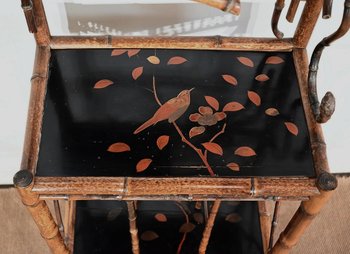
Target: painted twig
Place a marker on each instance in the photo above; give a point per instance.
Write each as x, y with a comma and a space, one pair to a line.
214, 137
185, 234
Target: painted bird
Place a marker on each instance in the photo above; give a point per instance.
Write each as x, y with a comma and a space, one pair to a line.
171, 110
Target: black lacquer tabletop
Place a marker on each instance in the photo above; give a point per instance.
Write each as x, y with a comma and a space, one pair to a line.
133, 113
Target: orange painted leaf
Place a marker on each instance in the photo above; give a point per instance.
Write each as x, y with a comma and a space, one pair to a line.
233, 166
272, 112
233, 106
262, 77
132, 52
137, 72
198, 217
212, 102
198, 205
187, 227
162, 141
149, 236
160, 217
143, 164
230, 79
177, 60
153, 60
274, 60
246, 61
195, 131
118, 148
103, 83
118, 52
213, 148
233, 218
245, 151
254, 97
292, 128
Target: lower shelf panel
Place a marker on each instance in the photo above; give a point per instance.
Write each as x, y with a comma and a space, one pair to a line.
103, 227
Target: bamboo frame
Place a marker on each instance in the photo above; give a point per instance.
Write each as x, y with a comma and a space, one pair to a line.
274, 223
292, 10
265, 224
70, 214
58, 216
275, 18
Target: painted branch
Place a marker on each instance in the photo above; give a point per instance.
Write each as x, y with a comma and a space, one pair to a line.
327, 9
323, 112
231, 6
133, 227
27, 7
275, 18
183, 210
40, 212
265, 224
292, 10
222, 131
42, 34
58, 216
208, 227
70, 214
274, 223
186, 42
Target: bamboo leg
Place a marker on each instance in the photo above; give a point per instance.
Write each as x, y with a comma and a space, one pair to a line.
209, 226
40, 212
265, 224
133, 227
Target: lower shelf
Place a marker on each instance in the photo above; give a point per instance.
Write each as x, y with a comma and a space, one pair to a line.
103, 227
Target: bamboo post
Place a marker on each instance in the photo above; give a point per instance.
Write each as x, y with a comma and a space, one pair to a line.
276, 17
209, 226
70, 214
133, 227
40, 212
265, 224
58, 216
274, 223
292, 10
42, 34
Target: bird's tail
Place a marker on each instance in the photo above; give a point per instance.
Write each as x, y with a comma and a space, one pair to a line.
145, 125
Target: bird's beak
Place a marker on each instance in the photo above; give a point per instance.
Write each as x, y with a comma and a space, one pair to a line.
191, 89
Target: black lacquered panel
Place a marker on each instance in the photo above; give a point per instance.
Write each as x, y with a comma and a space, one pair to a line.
102, 227
244, 114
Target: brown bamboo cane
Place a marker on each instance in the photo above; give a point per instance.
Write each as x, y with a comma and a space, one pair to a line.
133, 227
70, 215
231, 6
58, 216
279, 5
274, 223
292, 10
265, 224
42, 34
208, 227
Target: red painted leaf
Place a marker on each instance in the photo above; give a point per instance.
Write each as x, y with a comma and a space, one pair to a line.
233, 218
187, 227
292, 128
245, 151
212, 102
205, 110
118, 148
246, 61
272, 112
254, 97
195, 131
143, 164
160, 217
194, 117
233, 166
103, 83
274, 60
233, 106
137, 72
230, 79
162, 141
153, 60
262, 77
177, 60
132, 52
220, 116
149, 236
198, 217
213, 148
198, 205
118, 52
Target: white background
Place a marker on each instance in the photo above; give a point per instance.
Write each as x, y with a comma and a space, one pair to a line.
170, 18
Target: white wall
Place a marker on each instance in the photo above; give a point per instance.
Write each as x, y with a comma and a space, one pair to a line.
84, 17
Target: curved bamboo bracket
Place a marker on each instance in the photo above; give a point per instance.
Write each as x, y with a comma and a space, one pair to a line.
323, 112
275, 18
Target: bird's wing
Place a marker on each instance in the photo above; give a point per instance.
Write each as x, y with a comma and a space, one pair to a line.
166, 110
177, 114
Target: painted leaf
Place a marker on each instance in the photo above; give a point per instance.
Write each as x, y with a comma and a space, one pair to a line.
212, 102
132, 52
118, 148
177, 60
187, 227
220, 116
161, 217
233, 218
162, 141
272, 112
103, 83
205, 110
137, 72
292, 128
233, 166
254, 97
245, 151
230, 79
213, 148
274, 60
153, 60
195, 131
113, 214
262, 77
198, 205
118, 52
149, 236
198, 217
143, 164
194, 117
233, 106
246, 61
